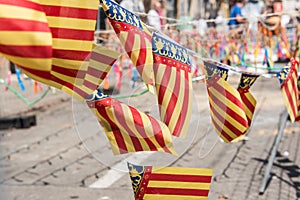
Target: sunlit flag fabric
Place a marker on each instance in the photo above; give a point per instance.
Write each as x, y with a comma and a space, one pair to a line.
249, 102
288, 78
173, 84
226, 107
134, 36
128, 129
72, 25
298, 116
25, 37
151, 182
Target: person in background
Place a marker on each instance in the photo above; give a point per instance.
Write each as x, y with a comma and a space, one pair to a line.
153, 16
236, 15
133, 5
253, 10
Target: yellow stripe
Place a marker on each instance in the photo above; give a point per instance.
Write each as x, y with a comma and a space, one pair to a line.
108, 132
92, 79
128, 142
252, 100
99, 66
66, 44
32, 63
229, 119
131, 124
26, 38
72, 93
189, 111
182, 171
71, 3
232, 106
172, 197
71, 23
177, 184
17, 12
220, 124
64, 77
68, 64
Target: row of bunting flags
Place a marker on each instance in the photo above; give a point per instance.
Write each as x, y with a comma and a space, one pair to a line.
52, 42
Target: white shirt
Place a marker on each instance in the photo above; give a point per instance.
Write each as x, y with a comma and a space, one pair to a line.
153, 19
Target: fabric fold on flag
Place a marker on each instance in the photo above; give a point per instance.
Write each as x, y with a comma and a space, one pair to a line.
127, 128
226, 107
153, 182
173, 82
25, 38
288, 78
134, 36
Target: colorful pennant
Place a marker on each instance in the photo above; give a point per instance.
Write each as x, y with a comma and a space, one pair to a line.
173, 84
134, 36
128, 129
169, 182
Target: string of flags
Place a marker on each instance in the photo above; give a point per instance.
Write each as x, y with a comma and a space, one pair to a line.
52, 42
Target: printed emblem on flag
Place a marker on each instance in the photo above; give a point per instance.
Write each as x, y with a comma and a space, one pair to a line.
134, 36
152, 182
25, 37
249, 102
173, 84
128, 129
212, 69
288, 78
226, 107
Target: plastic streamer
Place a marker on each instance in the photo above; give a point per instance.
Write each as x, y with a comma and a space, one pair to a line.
20, 82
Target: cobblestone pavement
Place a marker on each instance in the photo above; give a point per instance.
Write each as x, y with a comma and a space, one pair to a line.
67, 157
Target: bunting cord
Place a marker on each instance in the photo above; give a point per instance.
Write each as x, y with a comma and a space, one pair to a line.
20, 96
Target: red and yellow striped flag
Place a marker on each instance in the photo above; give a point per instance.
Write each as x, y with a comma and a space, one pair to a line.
25, 37
226, 107
288, 78
249, 102
72, 25
134, 36
168, 183
298, 116
128, 129
173, 84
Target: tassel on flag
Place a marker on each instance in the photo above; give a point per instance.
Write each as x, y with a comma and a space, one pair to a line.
134, 36
173, 82
128, 129
288, 78
152, 182
226, 107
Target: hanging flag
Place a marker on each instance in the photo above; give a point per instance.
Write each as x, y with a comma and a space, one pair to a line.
72, 25
25, 37
128, 129
226, 107
288, 78
248, 100
173, 82
134, 36
169, 182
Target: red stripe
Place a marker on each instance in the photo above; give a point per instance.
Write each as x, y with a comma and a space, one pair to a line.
177, 191
220, 130
63, 11
27, 51
180, 178
249, 105
291, 80
69, 72
96, 73
15, 24
120, 116
72, 34
138, 122
71, 54
102, 106
23, 3
88, 84
43, 74
289, 97
101, 58
233, 99
223, 119
159, 134
129, 43
70, 86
